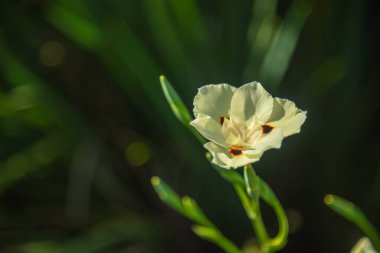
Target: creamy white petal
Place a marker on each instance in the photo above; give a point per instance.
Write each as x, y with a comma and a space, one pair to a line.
214, 100
251, 104
222, 158
219, 154
252, 152
252, 135
209, 128
364, 245
270, 140
287, 116
231, 133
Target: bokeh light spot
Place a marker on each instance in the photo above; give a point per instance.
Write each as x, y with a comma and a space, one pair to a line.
295, 220
137, 153
52, 53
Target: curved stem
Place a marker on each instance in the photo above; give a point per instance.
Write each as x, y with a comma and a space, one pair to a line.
254, 215
260, 229
256, 188
253, 190
251, 204
280, 239
271, 199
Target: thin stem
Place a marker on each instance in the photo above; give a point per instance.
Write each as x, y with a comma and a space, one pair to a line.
213, 235
260, 229
281, 238
372, 234
252, 207
227, 245
268, 196
256, 189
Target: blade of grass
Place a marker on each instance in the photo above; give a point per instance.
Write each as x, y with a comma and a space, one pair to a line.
215, 237
189, 21
178, 107
167, 195
190, 209
276, 61
166, 37
352, 213
79, 28
260, 31
175, 102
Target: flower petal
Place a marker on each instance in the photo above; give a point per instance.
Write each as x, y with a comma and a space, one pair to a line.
268, 141
209, 128
231, 134
214, 100
287, 116
222, 158
364, 245
251, 104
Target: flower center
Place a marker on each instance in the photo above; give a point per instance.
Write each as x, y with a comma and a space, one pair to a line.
221, 119
266, 129
235, 151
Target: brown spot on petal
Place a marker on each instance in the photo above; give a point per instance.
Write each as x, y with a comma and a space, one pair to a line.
266, 129
221, 119
235, 151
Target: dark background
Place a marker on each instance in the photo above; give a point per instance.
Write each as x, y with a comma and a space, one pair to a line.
84, 124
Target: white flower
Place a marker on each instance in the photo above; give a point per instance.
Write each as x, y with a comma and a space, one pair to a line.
364, 245
242, 123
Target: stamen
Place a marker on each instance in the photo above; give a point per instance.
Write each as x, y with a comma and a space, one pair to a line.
235, 151
221, 119
266, 129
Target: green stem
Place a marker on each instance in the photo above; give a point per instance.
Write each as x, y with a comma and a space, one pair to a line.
372, 234
213, 235
260, 230
255, 189
252, 208
354, 214
271, 199
281, 238
228, 246
268, 196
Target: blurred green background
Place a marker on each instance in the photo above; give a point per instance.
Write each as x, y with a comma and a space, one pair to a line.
84, 124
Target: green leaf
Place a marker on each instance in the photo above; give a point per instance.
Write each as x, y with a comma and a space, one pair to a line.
206, 233
351, 212
194, 213
175, 102
214, 236
278, 56
167, 195
82, 30
185, 206
189, 208
167, 38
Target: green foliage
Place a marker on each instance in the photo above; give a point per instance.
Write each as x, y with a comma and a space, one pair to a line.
280, 51
78, 87
175, 102
189, 208
352, 213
